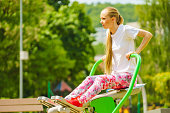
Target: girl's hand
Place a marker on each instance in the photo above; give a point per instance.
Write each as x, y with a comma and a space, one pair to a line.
104, 57
128, 55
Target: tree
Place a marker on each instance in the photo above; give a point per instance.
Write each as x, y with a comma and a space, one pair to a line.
162, 88
154, 17
73, 27
48, 62
9, 48
59, 46
58, 3
47, 57
126, 10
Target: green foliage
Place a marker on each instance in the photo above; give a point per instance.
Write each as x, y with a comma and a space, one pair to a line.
9, 48
6, 14
58, 3
158, 50
58, 44
38, 67
74, 28
161, 81
99, 49
158, 88
126, 10
154, 17
47, 62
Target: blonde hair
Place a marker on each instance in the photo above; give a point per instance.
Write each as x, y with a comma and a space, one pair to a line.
112, 12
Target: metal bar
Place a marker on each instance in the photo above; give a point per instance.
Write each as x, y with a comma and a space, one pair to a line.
138, 111
131, 84
95, 67
21, 48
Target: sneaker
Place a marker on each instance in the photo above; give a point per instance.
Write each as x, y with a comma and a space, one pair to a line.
72, 98
75, 102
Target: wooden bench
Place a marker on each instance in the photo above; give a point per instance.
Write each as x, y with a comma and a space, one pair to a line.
160, 110
20, 105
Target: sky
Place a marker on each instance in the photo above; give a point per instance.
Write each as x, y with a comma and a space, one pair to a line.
111, 1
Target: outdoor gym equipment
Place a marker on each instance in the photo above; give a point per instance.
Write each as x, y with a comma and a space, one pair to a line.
102, 103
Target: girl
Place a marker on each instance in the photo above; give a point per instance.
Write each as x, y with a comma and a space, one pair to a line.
118, 66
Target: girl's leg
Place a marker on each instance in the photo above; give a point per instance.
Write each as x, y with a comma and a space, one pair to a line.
102, 82
122, 80
81, 88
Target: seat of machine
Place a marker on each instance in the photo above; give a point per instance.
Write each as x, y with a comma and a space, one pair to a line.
118, 94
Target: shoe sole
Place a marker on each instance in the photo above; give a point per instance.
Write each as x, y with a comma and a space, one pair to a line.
46, 101
64, 103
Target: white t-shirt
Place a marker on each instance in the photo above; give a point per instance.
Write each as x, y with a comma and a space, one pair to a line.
122, 43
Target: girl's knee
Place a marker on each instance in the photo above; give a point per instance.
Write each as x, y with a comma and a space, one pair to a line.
88, 77
100, 79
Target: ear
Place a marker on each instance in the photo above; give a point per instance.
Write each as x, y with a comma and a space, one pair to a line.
113, 18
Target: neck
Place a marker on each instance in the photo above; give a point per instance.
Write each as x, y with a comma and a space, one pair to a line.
114, 28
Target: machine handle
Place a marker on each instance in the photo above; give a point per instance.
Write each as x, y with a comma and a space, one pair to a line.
131, 83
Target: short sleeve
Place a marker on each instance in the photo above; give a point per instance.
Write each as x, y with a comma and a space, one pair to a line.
131, 32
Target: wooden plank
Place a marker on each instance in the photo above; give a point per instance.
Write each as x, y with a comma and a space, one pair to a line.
24, 101
161, 110
20, 108
154, 111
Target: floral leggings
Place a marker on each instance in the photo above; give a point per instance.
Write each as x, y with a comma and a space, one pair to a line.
93, 85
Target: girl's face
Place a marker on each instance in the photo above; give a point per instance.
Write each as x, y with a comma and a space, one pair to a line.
106, 20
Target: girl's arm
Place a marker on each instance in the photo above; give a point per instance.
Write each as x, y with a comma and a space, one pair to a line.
146, 38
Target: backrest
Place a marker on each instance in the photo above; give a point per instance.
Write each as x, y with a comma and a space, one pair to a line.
20, 105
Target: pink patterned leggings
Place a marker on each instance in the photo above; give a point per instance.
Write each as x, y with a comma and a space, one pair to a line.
93, 85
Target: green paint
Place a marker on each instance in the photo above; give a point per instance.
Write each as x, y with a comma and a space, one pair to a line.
106, 104
103, 105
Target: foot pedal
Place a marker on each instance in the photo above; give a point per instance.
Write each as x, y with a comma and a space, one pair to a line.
59, 109
46, 101
64, 103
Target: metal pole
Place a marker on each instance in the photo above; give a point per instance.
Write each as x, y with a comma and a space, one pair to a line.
145, 105
130, 104
21, 68
138, 111
49, 91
